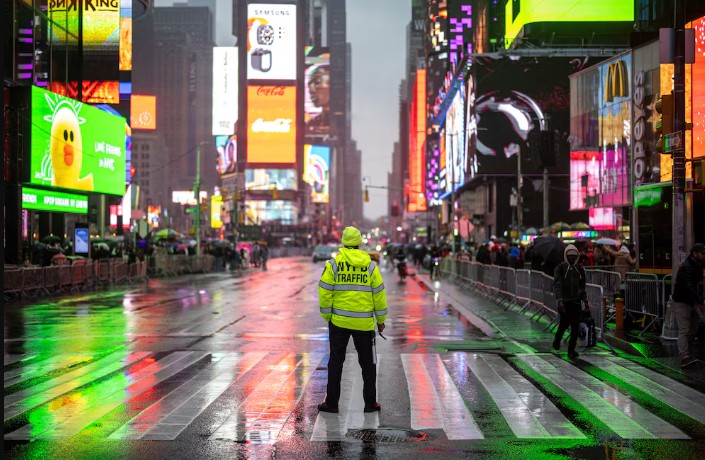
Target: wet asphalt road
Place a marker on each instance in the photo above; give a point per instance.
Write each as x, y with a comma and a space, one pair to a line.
217, 366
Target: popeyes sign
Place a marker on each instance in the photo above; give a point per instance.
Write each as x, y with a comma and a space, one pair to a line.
271, 124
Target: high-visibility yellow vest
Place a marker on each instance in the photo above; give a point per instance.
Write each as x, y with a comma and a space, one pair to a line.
351, 291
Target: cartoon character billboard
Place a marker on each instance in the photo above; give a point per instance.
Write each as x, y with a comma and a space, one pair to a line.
316, 171
75, 146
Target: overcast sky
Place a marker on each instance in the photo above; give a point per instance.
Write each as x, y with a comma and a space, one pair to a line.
377, 31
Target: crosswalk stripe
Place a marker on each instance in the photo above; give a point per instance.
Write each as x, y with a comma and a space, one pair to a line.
8, 360
209, 389
52, 364
357, 418
437, 405
333, 427
262, 414
665, 389
25, 400
622, 415
527, 411
104, 397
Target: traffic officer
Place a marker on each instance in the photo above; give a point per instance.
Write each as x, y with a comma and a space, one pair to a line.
352, 299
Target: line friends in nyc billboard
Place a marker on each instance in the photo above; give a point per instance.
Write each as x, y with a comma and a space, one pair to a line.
76, 146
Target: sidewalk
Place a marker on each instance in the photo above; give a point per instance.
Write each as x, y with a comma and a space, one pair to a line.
530, 335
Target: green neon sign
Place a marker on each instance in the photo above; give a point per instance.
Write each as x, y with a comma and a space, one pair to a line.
54, 201
529, 11
76, 146
649, 195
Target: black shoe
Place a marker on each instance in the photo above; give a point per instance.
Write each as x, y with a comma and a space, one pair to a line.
557, 344
324, 407
573, 354
377, 407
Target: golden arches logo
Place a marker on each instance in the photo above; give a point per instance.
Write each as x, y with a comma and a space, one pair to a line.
616, 81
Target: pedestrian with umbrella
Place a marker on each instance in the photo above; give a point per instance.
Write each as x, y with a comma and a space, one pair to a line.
570, 292
550, 251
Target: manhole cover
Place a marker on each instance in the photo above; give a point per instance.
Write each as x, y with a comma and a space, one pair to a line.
387, 435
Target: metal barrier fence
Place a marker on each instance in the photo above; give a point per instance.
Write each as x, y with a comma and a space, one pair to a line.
23, 281
532, 291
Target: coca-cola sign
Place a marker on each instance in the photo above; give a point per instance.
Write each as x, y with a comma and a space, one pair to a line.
280, 125
271, 91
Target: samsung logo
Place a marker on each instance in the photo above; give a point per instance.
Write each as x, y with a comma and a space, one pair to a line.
266, 12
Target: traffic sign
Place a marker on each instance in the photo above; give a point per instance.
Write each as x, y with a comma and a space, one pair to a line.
673, 141
191, 210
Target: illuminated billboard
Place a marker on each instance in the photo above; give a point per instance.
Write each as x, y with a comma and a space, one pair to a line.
271, 124
520, 13
417, 133
317, 171
143, 112
186, 197
53, 201
453, 175
317, 102
94, 92
216, 211
269, 179
271, 41
599, 179
125, 34
76, 146
153, 213
225, 90
226, 146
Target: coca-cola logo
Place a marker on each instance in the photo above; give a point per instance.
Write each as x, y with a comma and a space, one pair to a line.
271, 91
280, 125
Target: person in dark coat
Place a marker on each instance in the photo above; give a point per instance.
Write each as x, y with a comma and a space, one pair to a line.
569, 289
687, 296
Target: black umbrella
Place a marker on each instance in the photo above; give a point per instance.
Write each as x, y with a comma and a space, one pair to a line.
51, 239
549, 248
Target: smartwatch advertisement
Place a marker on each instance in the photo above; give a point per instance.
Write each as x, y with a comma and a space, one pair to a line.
271, 41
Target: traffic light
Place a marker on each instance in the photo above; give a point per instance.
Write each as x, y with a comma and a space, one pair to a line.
665, 122
367, 195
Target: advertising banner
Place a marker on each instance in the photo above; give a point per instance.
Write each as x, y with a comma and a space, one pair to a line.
143, 112
81, 240
225, 90
455, 161
76, 146
417, 147
317, 103
271, 124
216, 211
153, 213
186, 197
598, 179
125, 34
317, 171
226, 146
94, 92
53, 201
272, 45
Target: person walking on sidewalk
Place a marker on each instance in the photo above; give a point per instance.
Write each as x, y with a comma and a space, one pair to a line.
352, 300
569, 290
687, 295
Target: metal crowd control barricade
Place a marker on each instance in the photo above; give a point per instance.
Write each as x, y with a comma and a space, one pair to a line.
611, 282
120, 271
103, 271
643, 296
595, 296
90, 274
522, 291
65, 277
79, 273
51, 278
13, 282
33, 280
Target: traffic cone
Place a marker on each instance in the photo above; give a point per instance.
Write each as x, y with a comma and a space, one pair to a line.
670, 326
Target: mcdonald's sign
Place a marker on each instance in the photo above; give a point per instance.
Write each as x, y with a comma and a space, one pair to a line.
616, 81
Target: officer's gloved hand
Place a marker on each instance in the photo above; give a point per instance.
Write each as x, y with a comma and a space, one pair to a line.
380, 327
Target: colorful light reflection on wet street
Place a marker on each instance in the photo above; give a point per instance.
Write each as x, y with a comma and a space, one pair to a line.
215, 366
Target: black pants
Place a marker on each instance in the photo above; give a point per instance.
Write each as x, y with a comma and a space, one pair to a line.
570, 317
366, 356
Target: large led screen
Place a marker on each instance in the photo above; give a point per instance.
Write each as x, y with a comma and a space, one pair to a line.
317, 103
271, 124
520, 13
225, 90
125, 34
226, 147
143, 112
269, 179
317, 171
271, 41
598, 179
417, 146
93, 92
53, 201
76, 146
453, 175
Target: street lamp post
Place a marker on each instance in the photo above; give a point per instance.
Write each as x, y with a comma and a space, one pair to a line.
197, 193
